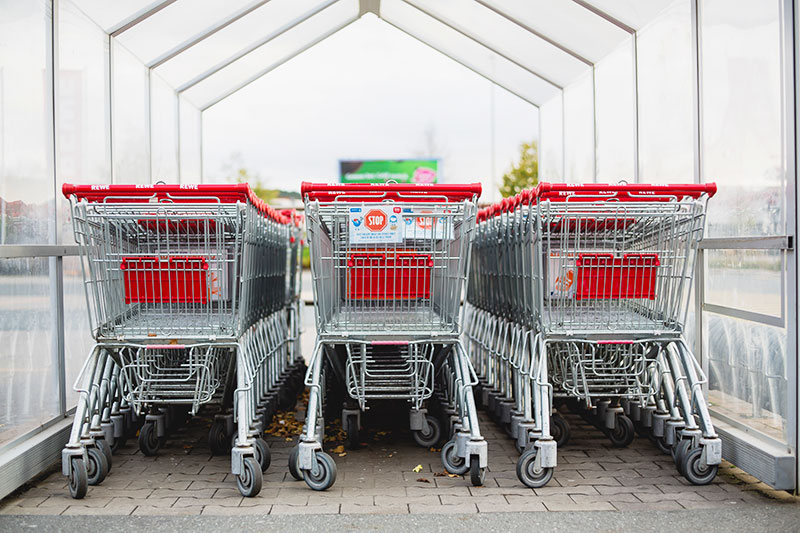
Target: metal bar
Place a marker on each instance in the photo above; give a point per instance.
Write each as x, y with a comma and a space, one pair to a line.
261, 42
463, 64
635, 61
481, 42
206, 33
10, 251
538, 34
760, 318
148, 12
602, 14
780, 242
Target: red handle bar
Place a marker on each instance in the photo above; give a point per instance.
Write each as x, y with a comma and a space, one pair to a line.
418, 192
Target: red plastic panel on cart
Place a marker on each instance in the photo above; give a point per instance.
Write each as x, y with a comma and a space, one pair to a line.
389, 276
602, 276
172, 280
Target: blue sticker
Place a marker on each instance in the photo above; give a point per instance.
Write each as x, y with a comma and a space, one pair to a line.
355, 209
392, 219
356, 222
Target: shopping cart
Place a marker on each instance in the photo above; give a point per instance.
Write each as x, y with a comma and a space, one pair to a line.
579, 294
186, 287
389, 262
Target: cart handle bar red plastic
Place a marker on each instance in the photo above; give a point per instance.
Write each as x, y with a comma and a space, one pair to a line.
628, 191
418, 192
226, 193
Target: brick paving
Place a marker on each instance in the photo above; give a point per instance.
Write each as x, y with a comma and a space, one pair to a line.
184, 479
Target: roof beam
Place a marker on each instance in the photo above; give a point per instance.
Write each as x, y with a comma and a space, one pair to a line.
273, 66
250, 48
602, 14
206, 33
474, 38
145, 14
538, 34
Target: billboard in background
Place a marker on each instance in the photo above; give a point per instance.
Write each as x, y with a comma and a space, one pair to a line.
381, 171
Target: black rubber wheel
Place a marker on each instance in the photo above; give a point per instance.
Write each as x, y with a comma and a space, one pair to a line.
263, 455
642, 430
119, 442
527, 472
323, 476
696, 473
293, 470
679, 452
78, 478
477, 475
149, 443
250, 480
352, 430
662, 445
452, 462
623, 432
96, 466
431, 436
559, 429
218, 440
104, 447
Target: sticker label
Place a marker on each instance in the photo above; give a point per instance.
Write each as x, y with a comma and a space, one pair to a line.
375, 225
425, 225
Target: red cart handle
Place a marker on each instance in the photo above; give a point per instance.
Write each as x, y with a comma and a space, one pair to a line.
417, 192
629, 192
226, 193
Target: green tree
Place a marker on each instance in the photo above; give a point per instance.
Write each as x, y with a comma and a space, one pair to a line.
235, 170
525, 173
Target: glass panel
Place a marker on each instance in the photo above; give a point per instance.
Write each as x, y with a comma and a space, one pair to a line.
130, 120
552, 150
28, 374
110, 13
745, 279
743, 117
84, 152
272, 54
747, 372
579, 132
78, 339
26, 122
615, 120
666, 136
268, 20
190, 143
507, 38
634, 13
566, 23
515, 122
164, 132
466, 51
176, 24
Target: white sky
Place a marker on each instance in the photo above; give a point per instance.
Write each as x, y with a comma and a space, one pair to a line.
368, 92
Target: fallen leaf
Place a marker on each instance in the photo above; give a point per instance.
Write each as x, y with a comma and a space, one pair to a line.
423, 480
338, 449
417, 469
342, 454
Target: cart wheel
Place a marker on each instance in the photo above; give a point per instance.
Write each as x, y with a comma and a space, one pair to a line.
642, 430
527, 472
218, 441
452, 462
119, 442
323, 475
96, 466
694, 471
477, 475
149, 443
432, 435
520, 448
559, 429
679, 452
351, 427
250, 480
263, 455
623, 433
104, 447
293, 470
78, 478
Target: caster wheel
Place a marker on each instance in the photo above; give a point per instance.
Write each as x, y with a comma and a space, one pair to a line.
477, 475
78, 478
694, 471
520, 448
218, 440
661, 444
263, 455
119, 443
431, 436
679, 452
623, 433
323, 475
452, 462
293, 470
352, 430
529, 474
96, 466
149, 443
559, 429
250, 480
642, 431
103, 446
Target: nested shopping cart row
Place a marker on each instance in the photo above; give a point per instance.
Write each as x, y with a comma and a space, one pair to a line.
193, 298
578, 295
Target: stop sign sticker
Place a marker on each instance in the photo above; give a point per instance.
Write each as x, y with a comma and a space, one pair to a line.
375, 220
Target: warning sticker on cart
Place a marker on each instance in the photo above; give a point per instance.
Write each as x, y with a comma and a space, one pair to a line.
425, 224
375, 225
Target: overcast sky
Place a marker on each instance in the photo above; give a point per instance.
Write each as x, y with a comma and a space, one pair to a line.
369, 91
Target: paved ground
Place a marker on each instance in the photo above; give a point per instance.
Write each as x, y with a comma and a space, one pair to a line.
380, 479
